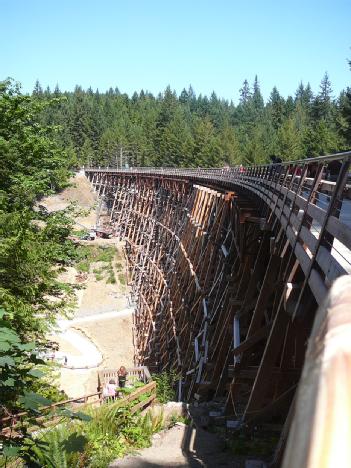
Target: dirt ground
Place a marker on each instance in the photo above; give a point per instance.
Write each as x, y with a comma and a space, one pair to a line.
113, 337
79, 193
98, 303
99, 296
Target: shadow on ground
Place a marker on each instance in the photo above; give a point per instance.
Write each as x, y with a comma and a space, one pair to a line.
183, 446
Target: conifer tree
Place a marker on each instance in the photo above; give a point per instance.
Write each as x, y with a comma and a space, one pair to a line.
257, 98
184, 96
57, 91
245, 93
277, 107
345, 111
38, 90
322, 106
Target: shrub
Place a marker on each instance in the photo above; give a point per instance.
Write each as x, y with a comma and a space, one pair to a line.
111, 280
165, 389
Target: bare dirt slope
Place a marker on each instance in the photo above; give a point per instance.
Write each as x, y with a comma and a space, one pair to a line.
98, 304
79, 193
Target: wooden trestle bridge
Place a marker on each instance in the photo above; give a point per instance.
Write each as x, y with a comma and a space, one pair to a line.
229, 267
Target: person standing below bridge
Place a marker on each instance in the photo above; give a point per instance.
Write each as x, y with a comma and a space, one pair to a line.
122, 376
110, 391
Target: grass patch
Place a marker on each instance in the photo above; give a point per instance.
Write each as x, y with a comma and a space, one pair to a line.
105, 254
97, 270
80, 232
83, 267
87, 255
122, 279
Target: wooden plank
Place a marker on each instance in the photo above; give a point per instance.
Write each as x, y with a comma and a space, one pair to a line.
318, 287
308, 238
328, 264
302, 257
339, 230
249, 342
142, 404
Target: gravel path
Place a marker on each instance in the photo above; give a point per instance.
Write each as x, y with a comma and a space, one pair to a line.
79, 351
91, 318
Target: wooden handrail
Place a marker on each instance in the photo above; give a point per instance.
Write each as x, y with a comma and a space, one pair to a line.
142, 372
150, 387
53, 405
320, 432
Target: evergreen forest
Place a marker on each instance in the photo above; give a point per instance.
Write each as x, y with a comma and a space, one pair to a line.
189, 130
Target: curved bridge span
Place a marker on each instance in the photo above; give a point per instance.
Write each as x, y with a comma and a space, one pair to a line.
228, 268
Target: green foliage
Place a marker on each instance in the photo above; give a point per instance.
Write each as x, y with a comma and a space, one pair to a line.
46, 385
34, 249
20, 374
18, 368
119, 266
92, 254
105, 254
111, 279
80, 232
189, 131
260, 445
165, 389
122, 279
175, 418
111, 432
32, 240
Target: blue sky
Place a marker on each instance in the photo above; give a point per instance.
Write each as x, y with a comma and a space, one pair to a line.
213, 45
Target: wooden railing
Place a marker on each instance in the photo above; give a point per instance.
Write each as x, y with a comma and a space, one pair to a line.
9, 423
140, 373
309, 198
48, 416
320, 432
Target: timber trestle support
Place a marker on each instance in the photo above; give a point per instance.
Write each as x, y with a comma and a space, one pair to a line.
228, 268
